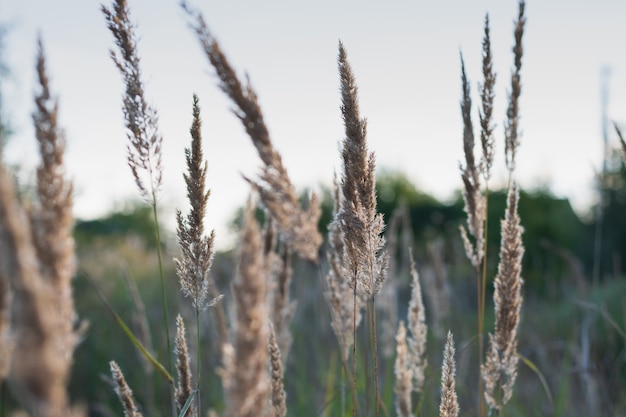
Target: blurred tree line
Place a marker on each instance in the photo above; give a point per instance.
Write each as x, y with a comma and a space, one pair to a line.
559, 244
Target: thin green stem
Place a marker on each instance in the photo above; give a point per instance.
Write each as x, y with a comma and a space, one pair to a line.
481, 309
374, 342
198, 364
354, 397
166, 317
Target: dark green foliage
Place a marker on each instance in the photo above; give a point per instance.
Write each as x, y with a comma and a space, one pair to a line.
134, 220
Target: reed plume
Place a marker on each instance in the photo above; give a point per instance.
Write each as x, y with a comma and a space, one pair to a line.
52, 219
297, 226
403, 374
512, 113
449, 404
500, 369
470, 174
487, 95
339, 290
279, 397
365, 260
418, 332
197, 249
124, 392
37, 259
145, 139
244, 376
184, 388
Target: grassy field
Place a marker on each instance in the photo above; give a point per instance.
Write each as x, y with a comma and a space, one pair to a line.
327, 306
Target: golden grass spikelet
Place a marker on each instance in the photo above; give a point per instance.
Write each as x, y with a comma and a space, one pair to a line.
500, 369
449, 404
472, 196
362, 227
275, 188
486, 98
145, 139
193, 268
245, 375
124, 392
38, 373
512, 112
418, 332
279, 397
51, 218
339, 292
184, 388
404, 375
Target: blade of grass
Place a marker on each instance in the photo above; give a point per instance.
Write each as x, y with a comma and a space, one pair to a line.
157, 365
188, 403
542, 379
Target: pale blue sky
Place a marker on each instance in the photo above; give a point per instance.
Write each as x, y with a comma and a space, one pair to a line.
404, 54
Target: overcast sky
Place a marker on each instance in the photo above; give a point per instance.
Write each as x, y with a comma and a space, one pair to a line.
406, 58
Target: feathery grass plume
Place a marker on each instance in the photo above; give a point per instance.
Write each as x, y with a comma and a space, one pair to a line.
297, 226
404, 375
500, 369
145, 140
472, 195
51, 218
245, 375
512, 113
339, 291
124, 392
184, 388
365, 260
193, 268
279, 397
449, 405
38, 373
486, 112
419, 330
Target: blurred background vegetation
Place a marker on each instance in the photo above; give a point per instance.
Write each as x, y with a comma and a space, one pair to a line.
572, 328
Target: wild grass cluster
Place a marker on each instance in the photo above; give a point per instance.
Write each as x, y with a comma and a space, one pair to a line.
238, 366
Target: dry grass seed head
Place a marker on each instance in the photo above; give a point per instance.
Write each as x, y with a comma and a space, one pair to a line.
472, 195
500, 368
403, 374
364, 259
512, 113
279, 397
449, 405
339, 292
486, 98
124, 392
418, 332
247, 391
145, 140
193, 268
184, 388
